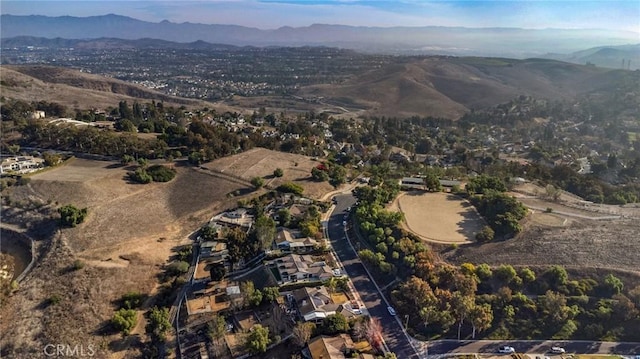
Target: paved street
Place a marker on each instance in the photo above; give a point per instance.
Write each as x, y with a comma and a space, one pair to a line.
532, 346
392, 332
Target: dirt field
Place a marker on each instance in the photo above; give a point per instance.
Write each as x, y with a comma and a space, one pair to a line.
261, 162
439, 217
129, 234
586, 243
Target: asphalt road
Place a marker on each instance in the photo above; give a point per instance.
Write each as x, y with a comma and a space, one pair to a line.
392, 332
533, 346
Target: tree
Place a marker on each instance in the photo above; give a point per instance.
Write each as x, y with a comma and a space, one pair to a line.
124, 320
70, 216
257, 182
432, 182
217, 271
265, 231
319, 175
270, 294
51, 159
613, 284
159, 323
335, 323
284, 216
258, 340
481, 317
255, 298
278, 172
554, 306
140, 175
302, 333
462, 305
485, 235
216, 328
505, 273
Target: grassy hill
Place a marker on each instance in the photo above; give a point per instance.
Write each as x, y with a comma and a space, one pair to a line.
76, 89
450, 86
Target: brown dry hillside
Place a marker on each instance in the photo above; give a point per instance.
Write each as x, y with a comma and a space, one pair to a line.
73, 88
449, 86
130, 232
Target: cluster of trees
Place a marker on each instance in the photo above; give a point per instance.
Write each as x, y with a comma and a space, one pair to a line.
501, 211
155, 173
391, 250
505, 303
330, 171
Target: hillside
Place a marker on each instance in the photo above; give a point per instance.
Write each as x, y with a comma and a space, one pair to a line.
129, 234
614, 57
449, 86
76, 89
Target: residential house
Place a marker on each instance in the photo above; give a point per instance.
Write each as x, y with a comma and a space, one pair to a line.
296, 267
315, 303
293, 241
336, 347
21, 165
238, 217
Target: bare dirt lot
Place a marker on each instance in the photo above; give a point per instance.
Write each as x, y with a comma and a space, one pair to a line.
261, 162
575, 234
130, 232
599, 244
439, 217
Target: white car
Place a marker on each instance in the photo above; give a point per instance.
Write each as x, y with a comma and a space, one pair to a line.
391, 310
557, 350
506, 350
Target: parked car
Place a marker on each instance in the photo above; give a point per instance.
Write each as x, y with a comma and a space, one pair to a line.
506, 350
391, 310
557, 350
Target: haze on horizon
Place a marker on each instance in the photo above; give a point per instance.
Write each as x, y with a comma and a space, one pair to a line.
620, 15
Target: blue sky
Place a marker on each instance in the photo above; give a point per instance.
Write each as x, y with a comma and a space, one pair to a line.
270, 14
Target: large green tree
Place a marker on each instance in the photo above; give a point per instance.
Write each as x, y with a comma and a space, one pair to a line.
258, 340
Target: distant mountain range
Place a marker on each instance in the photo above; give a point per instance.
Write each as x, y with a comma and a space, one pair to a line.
506, 42
625, 57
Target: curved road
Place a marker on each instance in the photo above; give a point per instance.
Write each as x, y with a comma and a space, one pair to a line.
377, 307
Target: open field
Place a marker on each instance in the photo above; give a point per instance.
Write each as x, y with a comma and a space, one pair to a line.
261, 162
584, 243
130, 232
439, 217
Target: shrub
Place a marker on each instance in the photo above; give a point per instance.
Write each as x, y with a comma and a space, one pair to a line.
290, 187
178, 268
278, 172
131, 300
54, 299
124, 320
257, 182
70, 216
77, 265
160, 173
140, 176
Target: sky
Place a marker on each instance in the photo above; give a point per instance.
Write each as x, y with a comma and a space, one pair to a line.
270, 14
